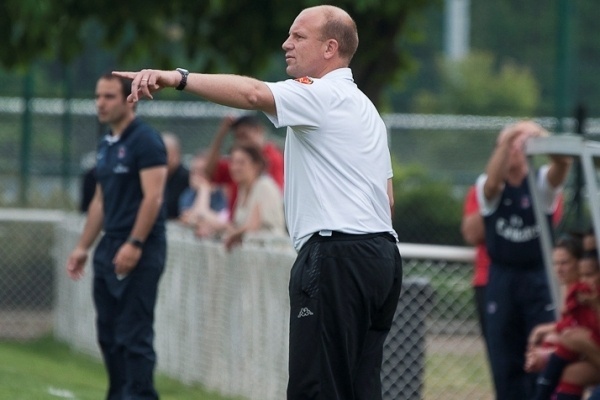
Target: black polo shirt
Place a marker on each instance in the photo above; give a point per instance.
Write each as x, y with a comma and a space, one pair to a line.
118, 169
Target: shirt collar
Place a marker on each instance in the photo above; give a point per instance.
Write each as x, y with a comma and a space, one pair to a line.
340, 73
110, 139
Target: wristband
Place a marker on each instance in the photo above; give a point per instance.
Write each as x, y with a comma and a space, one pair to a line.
135, 242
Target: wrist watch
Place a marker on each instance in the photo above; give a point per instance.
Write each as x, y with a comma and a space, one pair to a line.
184, 75
135, 242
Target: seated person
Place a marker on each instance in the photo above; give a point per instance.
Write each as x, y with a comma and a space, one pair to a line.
586, 372
258, 207
202, 205
565, 258
581, 311
579, 375
246, 130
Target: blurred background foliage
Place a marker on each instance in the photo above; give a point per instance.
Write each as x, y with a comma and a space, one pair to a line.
399, 62
475, 86
426, 210
237, 36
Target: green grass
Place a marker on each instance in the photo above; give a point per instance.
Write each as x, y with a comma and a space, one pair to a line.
451, 375
47, 370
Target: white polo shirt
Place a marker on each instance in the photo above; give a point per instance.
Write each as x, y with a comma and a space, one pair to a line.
337, 160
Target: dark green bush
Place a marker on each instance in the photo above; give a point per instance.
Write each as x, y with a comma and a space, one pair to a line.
425, 210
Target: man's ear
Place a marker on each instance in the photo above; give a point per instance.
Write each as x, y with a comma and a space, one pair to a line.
331, 48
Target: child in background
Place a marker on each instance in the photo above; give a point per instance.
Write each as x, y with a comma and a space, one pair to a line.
542, 341
581, 309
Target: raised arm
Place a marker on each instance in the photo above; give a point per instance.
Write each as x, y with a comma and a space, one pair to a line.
498, 165
229, 90
214, 150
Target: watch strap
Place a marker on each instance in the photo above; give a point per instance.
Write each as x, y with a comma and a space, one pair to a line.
184, 76
135, 242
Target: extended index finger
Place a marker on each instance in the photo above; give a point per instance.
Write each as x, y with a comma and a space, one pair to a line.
135, 84
125, 74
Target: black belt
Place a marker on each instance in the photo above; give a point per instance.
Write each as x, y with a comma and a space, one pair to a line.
335, 235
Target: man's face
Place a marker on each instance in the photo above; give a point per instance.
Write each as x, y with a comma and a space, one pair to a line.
304, 48
111, 105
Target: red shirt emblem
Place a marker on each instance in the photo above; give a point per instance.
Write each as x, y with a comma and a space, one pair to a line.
305, 79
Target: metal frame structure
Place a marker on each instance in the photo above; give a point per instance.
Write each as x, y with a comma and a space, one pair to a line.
586, 151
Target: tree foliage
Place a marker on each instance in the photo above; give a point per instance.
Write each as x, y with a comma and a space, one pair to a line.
425, 210
238, 36
475, 85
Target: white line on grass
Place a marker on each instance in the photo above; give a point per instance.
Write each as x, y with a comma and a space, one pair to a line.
63, 393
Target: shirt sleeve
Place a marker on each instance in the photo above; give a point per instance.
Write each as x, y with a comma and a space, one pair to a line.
486, 207
299, 103
151, 151
549, 196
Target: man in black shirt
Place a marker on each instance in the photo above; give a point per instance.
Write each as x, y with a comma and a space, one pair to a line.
131, 172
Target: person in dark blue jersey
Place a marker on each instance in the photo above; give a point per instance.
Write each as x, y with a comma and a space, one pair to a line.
131, 171
518, 295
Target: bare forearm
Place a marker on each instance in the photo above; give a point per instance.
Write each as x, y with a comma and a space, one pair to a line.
232, 90
202, 201
390, 193
212, 156
229, 90
93, 225
146, 217
473, 229
496, 170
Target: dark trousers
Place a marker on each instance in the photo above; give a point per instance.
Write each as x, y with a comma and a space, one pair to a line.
516, 301
479, 296
125, 318
344, 291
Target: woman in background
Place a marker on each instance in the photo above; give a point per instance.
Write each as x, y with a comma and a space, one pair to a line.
258, 208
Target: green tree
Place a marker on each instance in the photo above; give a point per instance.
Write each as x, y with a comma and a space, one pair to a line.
475, 86
238, 36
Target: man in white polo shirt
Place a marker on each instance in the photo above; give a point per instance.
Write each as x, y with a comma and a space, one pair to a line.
346, 280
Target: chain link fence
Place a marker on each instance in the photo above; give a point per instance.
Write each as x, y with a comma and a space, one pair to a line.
222, 319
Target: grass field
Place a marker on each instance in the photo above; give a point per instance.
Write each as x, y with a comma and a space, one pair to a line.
456, 368
47, 370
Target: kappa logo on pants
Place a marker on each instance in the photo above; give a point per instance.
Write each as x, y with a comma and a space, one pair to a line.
304, 312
